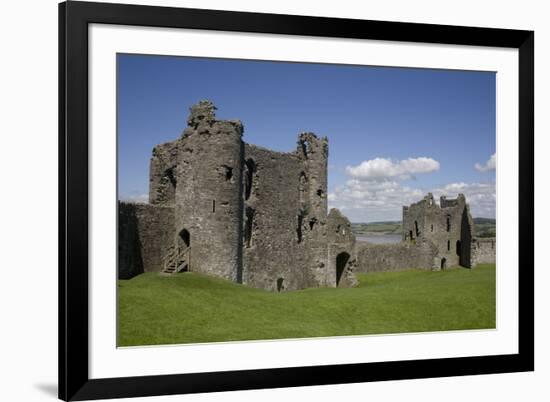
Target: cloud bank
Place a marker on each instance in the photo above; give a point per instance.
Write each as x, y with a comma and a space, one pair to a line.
382, 168
374, 191
491, 164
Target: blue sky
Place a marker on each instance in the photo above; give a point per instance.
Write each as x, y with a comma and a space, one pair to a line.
394, 133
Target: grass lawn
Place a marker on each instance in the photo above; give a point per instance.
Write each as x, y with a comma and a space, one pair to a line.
189, 308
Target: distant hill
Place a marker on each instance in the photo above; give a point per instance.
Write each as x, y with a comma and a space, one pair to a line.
483, 227
383, 227
485, 221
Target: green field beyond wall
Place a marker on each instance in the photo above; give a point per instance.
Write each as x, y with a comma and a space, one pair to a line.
192, 308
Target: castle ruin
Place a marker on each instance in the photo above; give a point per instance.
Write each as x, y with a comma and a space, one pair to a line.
449, 226
225, 208
435, 236
233, 210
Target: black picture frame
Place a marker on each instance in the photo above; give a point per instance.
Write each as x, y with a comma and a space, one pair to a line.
74, 381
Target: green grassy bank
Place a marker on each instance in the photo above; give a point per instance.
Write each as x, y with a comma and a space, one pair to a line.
190, 308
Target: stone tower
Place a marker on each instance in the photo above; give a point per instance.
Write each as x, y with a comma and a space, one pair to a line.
200, 175
208, 194
449, 226
313, 153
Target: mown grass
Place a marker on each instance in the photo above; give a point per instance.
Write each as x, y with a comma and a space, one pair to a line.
191, 308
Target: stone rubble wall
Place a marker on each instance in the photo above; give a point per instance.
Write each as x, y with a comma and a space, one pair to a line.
485, 250
274, 252
395, 257
145, 234
342, 256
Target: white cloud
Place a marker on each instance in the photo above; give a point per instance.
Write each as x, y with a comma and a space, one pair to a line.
491, 164
139, 198
367, 201
383, 168
481, 196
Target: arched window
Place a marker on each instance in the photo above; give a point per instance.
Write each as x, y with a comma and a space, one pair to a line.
302, 186
299, 226
248, 226
306, 148
250, 168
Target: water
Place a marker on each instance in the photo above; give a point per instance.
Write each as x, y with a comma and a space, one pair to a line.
380, 239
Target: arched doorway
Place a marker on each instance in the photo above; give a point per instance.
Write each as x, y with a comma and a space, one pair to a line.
280, 284
443, 263
184, 239
341, 262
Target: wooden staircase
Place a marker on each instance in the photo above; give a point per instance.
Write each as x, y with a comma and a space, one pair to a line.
178, 259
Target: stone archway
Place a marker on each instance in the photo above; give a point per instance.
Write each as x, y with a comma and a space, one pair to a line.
341, 263
184, 238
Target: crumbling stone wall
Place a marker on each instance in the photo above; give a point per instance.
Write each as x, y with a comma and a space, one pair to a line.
248, 214
342, 258
145, 235
275, 234
163, 174
484, 250
449, 226
285, 246
395, 257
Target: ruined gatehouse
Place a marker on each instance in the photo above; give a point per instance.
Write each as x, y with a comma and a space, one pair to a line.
225, 208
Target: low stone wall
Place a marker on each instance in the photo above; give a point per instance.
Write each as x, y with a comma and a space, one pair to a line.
394, 257
145, 232
485, 250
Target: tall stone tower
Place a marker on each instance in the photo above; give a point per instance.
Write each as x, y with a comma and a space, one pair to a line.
449, 226
313, 152
208, 203
200, 175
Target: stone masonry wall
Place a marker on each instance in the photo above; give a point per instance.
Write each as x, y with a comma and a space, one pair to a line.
275, 236
395, 257
342, 258
145, 233
485, 250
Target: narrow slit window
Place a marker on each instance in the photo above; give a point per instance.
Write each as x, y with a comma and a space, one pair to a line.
213, 205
